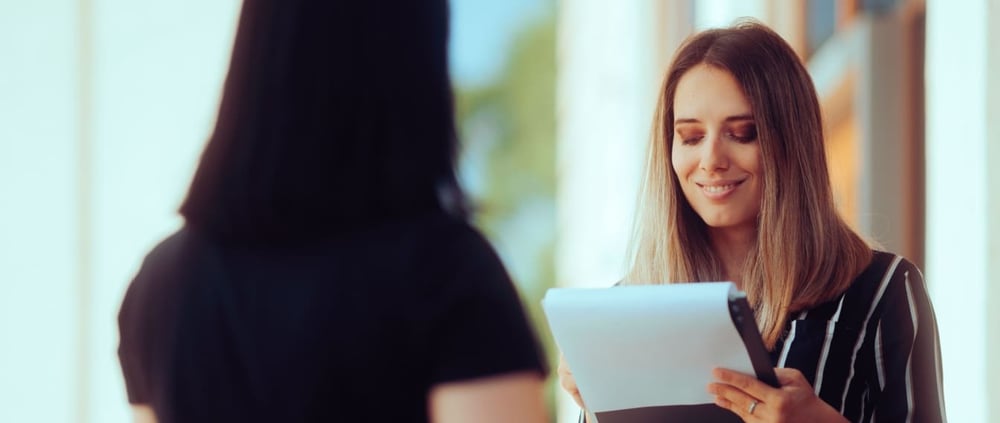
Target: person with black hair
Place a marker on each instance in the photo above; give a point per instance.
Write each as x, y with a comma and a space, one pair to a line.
326, 269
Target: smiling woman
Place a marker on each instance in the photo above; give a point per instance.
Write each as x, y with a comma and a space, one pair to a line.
718, 162
736, 188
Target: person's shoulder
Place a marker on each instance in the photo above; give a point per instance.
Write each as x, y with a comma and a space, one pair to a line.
888, 275
885, 265
172, 246
170, 255
155, 276
169, 247
454, 248
884, 268
449, 232
886, 279
427, 242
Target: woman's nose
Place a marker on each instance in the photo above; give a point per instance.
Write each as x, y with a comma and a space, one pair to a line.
713, 155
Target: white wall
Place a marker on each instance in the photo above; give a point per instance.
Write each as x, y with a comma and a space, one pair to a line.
721, 13
993, 223
608, 74
106, 106
38, 237
959, 198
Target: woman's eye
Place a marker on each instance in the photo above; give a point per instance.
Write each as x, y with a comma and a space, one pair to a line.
690, 140
744, 136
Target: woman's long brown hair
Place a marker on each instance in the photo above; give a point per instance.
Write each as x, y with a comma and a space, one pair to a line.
805, 253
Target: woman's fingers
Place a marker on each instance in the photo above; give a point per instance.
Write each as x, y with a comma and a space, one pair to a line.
744, 382
736, 400
794, 400
568, 383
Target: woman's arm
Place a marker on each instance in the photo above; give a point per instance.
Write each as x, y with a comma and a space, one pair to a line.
513, 397
142, 413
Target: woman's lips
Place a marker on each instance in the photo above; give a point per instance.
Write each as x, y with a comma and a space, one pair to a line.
720, 189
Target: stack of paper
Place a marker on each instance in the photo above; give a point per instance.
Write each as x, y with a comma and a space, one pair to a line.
646, 353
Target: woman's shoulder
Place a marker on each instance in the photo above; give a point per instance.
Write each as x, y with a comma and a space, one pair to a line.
152, 292
436, 227
447, 235
887, 278
886, 266
174, 251
165, 254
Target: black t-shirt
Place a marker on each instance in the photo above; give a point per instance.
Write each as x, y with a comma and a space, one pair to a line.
357, 328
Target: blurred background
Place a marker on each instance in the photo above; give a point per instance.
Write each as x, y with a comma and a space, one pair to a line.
105, 106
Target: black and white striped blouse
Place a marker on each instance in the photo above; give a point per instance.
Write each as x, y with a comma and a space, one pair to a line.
873, 353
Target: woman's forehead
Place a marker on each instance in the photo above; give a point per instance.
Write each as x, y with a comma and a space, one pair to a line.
709, 93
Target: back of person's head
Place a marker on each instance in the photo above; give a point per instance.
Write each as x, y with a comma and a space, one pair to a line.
335, 114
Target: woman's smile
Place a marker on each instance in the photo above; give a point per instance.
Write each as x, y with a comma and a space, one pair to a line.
719, 190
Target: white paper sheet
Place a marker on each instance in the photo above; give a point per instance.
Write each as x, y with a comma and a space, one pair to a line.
643, 346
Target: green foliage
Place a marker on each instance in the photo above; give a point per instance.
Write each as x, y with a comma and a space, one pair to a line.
512, 122
521, 104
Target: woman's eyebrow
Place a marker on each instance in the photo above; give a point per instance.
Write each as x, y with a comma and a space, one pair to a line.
739, 118
734, 118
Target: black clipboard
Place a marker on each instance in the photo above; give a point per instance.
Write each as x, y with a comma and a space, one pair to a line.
746, 325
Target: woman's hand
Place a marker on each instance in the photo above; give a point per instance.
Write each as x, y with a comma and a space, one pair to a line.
794, 401
568, 383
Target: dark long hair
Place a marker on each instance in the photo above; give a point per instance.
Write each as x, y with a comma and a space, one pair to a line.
335, 114
805, 252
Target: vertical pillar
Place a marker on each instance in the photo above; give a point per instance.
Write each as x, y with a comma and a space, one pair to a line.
788, 18
38, 203
962, 185
610, 59
606, 90
890, 144
992, 282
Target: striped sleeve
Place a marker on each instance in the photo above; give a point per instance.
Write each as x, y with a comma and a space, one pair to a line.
907, 352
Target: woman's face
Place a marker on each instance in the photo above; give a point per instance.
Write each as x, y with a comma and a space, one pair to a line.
715, 151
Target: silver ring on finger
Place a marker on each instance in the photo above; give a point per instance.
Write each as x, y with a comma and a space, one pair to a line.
753, 406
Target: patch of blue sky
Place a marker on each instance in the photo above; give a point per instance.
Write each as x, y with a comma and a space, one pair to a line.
482, 32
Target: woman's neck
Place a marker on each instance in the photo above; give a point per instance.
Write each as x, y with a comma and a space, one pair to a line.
732, 246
